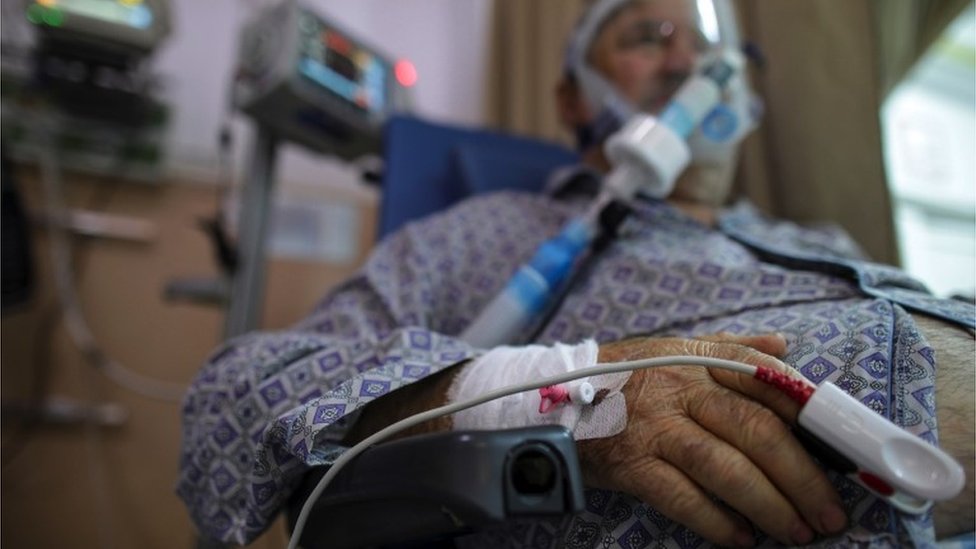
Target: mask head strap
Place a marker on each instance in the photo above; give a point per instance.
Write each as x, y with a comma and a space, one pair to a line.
611, 109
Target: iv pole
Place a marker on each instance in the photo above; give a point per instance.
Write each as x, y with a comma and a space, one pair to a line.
247, 283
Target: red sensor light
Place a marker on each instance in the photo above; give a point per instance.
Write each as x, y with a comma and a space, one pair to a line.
406, 73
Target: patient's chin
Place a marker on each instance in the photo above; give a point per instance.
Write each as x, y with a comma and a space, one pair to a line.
706, 185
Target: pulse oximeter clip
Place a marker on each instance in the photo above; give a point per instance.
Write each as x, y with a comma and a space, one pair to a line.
887, 460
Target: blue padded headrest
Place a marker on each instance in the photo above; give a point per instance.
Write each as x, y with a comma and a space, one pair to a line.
429, 167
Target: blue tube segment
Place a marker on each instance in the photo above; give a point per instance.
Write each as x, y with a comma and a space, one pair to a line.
720, 124
677, 117
528, 291
720, 72
533, 284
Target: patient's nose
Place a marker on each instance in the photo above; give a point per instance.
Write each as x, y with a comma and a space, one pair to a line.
681, 53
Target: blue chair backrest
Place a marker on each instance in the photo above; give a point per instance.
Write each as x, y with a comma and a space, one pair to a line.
429, 167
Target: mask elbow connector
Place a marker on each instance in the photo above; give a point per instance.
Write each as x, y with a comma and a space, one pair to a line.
649, 152
648, 157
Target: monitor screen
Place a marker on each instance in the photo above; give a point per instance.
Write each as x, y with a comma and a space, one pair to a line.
331, 60
130, 13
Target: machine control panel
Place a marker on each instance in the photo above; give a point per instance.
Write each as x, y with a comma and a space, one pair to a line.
311, 82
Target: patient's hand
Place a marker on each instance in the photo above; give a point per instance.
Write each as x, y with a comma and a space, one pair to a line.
690, 432
693, 431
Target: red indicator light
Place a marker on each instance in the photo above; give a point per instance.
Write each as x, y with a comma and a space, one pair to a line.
336, 42
876, 483
406, 73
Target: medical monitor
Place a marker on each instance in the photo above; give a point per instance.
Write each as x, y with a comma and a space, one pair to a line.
312, 82
137, 26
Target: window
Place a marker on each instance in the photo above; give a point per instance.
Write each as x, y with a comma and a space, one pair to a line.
929, 125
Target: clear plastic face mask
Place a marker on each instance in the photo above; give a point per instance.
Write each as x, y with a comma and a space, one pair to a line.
702, 25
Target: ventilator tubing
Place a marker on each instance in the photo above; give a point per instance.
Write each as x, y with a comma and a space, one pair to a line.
649, 154
529, 290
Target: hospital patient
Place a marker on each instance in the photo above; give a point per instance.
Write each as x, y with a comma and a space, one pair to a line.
674, 453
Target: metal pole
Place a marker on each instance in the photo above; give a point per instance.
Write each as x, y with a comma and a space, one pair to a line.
247, 286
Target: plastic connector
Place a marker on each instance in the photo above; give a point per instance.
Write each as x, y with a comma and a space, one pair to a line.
582, 392
648, 157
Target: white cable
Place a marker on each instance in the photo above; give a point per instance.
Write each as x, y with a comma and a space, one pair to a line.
74, 320
434, 413
101, 497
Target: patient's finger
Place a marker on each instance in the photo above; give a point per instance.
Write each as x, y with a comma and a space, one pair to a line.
771, 344
724, 471
672, 493
766, 441
764, 393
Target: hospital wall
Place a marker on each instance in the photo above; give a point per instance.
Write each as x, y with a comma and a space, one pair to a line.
74, 486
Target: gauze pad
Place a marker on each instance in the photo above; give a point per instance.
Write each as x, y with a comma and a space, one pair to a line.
507, 366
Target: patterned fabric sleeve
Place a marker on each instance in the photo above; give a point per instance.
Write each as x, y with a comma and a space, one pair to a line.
267, 406
825, 240
832, 252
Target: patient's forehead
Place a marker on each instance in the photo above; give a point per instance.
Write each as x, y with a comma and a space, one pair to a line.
639, 12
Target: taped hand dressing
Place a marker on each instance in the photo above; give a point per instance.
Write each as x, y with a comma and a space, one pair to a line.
591, 407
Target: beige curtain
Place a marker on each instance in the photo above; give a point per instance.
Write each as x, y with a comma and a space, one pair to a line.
526, 62
829, 64
906, 28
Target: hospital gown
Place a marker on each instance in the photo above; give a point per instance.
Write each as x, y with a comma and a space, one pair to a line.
267, 406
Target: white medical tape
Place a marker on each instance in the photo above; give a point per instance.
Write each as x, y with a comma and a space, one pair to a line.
506, 366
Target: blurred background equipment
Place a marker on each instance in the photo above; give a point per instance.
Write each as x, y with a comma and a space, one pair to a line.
307, 80
78, 96
16, 265
85, 69
301, 78
127, 28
